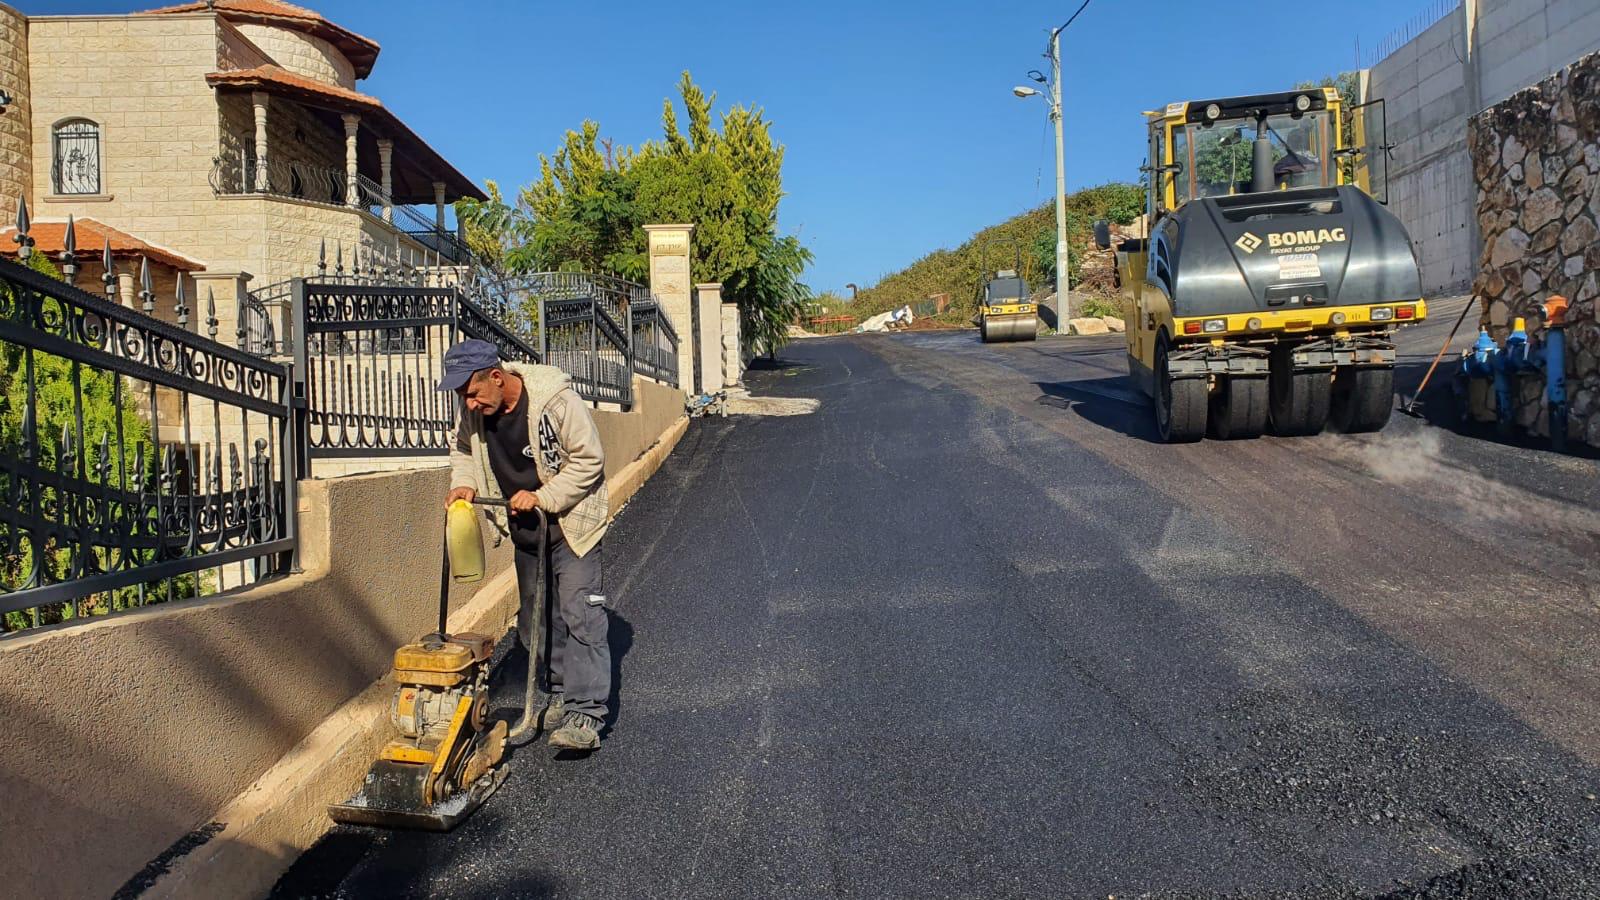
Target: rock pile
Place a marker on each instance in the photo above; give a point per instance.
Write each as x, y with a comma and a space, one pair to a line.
1536, 160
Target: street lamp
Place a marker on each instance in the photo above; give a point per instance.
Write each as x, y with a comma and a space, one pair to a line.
1053, 51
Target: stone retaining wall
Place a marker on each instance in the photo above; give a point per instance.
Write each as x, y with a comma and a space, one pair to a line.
16, 121
1536, 160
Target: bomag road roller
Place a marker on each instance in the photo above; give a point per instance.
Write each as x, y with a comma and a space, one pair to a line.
1006, 311
1268, 285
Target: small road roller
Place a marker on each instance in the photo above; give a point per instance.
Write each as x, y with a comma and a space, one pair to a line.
1006, 311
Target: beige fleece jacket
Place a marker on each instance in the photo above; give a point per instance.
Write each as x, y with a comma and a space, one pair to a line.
569, 457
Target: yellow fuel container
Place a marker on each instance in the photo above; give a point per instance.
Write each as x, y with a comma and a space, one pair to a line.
465, 543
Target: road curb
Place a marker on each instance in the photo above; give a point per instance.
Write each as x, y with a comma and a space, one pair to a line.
258, 834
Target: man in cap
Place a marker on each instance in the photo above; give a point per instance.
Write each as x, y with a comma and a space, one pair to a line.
527, 437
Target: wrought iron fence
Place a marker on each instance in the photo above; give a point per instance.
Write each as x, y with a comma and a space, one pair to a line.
139, 461
581, 337
369, 357
655, 344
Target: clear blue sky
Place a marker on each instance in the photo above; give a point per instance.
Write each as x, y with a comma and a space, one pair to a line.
902, 133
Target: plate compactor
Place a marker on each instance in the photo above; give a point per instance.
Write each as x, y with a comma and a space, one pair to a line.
446, 758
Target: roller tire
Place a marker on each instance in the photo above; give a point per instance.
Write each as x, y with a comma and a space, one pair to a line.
1239, 408
1299, 401
1180, 403
1363, 400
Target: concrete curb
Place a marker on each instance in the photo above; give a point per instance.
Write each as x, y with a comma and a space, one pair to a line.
264, 829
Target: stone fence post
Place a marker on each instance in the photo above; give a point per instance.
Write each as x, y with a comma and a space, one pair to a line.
732, 354
708, 339
670, 252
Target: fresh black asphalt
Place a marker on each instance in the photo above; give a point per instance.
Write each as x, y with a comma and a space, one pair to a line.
965, 631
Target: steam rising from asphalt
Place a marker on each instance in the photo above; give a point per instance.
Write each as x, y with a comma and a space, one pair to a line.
1418, 461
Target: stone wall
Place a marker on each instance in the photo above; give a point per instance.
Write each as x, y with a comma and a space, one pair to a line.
302, 54
1536, 160
16, 131
235, 51
1477, 55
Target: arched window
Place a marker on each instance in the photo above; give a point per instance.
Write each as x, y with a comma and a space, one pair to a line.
75, 162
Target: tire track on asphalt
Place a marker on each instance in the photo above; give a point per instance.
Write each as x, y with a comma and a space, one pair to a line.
1499, 640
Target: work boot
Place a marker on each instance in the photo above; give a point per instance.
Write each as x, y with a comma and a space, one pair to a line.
577, 732
554, 709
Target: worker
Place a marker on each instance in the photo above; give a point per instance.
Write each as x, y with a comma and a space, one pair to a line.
525, 436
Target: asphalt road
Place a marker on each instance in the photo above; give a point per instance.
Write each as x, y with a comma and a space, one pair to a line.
967, 630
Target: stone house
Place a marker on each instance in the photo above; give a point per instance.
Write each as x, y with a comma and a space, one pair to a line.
229, 133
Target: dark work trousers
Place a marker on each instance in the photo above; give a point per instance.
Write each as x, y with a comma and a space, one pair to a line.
575, 659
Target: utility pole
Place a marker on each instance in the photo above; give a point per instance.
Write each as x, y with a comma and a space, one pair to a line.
1063, 277
1063, 251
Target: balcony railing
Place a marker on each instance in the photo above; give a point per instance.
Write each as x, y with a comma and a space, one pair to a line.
234, 173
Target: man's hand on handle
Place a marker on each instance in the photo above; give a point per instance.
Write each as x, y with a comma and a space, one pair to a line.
460, 493
524, 502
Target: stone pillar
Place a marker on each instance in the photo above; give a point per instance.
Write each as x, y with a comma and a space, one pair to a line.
125, 291
438, 205
708, 340
732, 353
258, 100
386, 162
670, 252
352, 185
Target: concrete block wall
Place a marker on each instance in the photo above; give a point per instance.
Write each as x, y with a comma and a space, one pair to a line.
1477, 56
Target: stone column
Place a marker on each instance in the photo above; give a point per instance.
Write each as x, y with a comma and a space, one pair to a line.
386, 162
438, 205
352, 185
732, 353
708, 340
670, 250
258, 100
125, 291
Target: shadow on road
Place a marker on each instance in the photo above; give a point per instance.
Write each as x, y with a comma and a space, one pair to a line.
1110, 403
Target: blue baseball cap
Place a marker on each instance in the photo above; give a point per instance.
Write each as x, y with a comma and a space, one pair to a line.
464, 359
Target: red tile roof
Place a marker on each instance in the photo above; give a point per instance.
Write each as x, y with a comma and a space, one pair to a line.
50, 238
361, 51
276, 79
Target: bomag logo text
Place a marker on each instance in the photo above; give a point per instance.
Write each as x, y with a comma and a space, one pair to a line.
1307, 236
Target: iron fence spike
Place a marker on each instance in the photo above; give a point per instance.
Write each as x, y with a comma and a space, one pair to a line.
69, 252
109, 274
146, 290
211, 312
181, 307
23, 240
322, 257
